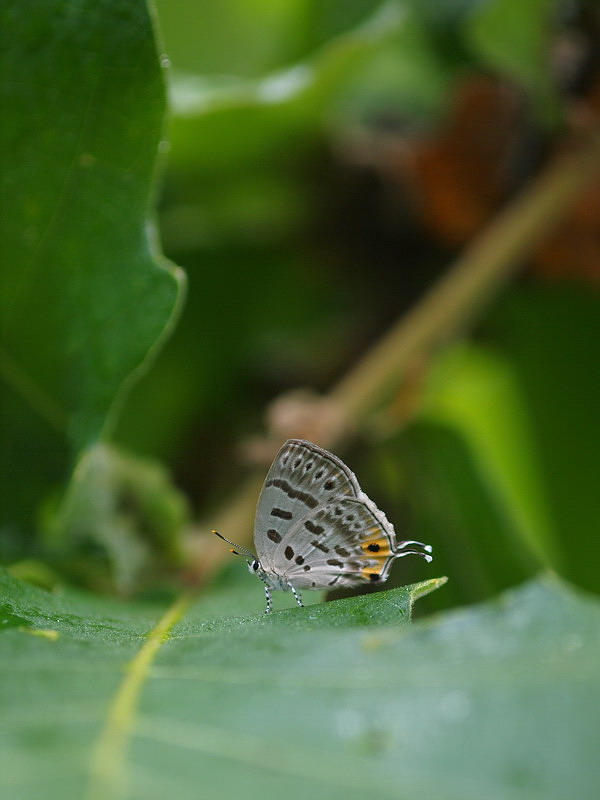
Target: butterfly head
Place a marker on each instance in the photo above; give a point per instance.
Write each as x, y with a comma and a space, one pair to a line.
254, 566
270, 579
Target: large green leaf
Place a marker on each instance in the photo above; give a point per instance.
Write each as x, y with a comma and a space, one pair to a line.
83, 295
552, 336
472, 475
337, 700
474, 390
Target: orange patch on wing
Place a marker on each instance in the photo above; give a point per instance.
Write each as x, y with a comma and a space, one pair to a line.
371, 573
376, 547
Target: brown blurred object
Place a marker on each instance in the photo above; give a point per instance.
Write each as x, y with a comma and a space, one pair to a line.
298, 414
476, 160
573, 249
468, 168
455, 180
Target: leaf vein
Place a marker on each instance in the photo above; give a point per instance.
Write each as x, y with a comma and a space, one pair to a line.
109, 755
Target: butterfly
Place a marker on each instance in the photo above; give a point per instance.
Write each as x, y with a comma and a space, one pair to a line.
316, 529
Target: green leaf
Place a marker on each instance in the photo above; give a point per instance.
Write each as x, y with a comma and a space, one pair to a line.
489, 701
456, 506
474, 390
235, 37
515, 38
471, 469
84, 296
231, 37
552, 336
385, 61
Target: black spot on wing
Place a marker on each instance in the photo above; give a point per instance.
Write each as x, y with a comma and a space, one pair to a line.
288, 553
341, 551
319, 546
274, 535
279, 512
316, 529
293, 494
334, 562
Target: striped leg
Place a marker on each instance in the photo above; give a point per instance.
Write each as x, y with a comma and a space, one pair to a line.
269, 607
296, 594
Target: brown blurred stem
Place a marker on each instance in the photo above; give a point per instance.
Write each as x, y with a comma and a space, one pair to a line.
452, 304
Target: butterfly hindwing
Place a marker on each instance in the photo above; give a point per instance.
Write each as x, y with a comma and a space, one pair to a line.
302, 478
342, 542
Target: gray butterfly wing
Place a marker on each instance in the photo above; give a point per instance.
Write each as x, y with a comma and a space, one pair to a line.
344, 542
303, 478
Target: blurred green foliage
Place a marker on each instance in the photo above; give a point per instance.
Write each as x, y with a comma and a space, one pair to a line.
119, 525
286, 199
294, 233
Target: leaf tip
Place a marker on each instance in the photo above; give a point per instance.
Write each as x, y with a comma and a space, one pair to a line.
426, 587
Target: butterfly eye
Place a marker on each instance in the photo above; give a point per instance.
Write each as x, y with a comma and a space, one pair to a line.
254, 565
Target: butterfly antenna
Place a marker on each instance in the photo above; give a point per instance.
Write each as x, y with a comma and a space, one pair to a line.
239, 550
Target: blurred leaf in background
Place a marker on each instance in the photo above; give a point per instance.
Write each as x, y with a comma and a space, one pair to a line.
470, 477
316, 191
119, 526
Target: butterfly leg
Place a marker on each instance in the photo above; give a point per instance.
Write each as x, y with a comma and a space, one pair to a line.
296, 594
269, 601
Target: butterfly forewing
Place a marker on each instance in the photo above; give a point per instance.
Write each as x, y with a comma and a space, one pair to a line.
302, 479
